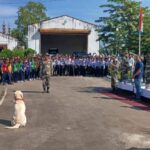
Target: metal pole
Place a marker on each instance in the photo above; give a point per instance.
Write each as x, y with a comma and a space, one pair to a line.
140, 28
35, 35
139, 43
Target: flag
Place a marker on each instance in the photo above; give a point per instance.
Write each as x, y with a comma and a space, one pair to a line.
140, 27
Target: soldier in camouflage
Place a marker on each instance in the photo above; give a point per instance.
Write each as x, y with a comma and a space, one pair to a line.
114, 72
147, 71
46, 72
124, 67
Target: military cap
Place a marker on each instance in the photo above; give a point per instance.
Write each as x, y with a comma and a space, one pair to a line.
131, 53
126, 52
113, 56
47, 54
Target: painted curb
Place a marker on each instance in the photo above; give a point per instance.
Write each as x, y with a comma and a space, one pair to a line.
3, 97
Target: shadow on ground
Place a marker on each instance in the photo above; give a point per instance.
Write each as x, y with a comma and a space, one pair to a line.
145, 107
5, 122
134, 148
94, 90
102, 97
120, 95
31, 92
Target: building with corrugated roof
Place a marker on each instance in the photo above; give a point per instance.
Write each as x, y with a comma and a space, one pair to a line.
65, 33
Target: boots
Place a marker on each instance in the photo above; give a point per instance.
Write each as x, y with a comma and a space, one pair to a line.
44, 89
47, 89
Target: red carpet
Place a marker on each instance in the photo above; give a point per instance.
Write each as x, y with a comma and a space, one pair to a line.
129, 100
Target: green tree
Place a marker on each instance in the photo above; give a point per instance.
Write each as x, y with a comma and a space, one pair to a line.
18, 53
146, 34
29, 52
32, 12
118, 30
6, 53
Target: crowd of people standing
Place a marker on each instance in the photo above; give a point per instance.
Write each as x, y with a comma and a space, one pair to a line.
131, 68
17, 69
86, 66
22, 69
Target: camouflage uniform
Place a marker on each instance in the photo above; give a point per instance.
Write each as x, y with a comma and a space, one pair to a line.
114, 74
124, 68
147, 72
45, 73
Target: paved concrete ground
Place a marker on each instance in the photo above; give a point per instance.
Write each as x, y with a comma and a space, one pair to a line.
74, 116
1, 91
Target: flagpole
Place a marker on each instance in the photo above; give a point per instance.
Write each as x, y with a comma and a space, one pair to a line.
140, 27
139, 43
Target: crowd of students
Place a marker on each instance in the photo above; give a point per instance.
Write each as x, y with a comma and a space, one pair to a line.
86, 66
16, 69
21, 69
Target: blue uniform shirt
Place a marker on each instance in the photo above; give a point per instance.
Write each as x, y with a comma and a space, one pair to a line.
139, 65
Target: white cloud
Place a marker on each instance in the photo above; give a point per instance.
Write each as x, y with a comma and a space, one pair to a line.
6, 11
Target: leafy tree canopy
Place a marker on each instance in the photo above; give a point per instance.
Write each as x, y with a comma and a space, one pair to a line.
32, 12
119, 28
6, 53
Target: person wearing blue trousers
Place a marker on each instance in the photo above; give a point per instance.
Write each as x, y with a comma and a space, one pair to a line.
28, 70
137, 76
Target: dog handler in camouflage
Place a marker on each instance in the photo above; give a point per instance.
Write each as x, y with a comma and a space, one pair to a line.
46, 72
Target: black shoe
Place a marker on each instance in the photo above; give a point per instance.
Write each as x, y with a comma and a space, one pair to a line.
44, 90
47, 90
137, 99
113, 90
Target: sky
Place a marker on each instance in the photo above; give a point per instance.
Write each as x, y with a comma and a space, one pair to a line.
87, 10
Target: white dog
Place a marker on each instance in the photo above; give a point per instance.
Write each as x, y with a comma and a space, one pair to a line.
19, 117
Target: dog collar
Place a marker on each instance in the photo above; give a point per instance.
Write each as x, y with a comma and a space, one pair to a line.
19, 99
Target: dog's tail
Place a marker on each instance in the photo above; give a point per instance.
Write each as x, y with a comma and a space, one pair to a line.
16, 126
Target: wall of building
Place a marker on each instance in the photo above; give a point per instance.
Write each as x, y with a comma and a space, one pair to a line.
63, 22
66, 23
9, 41
34, 37
93, 44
